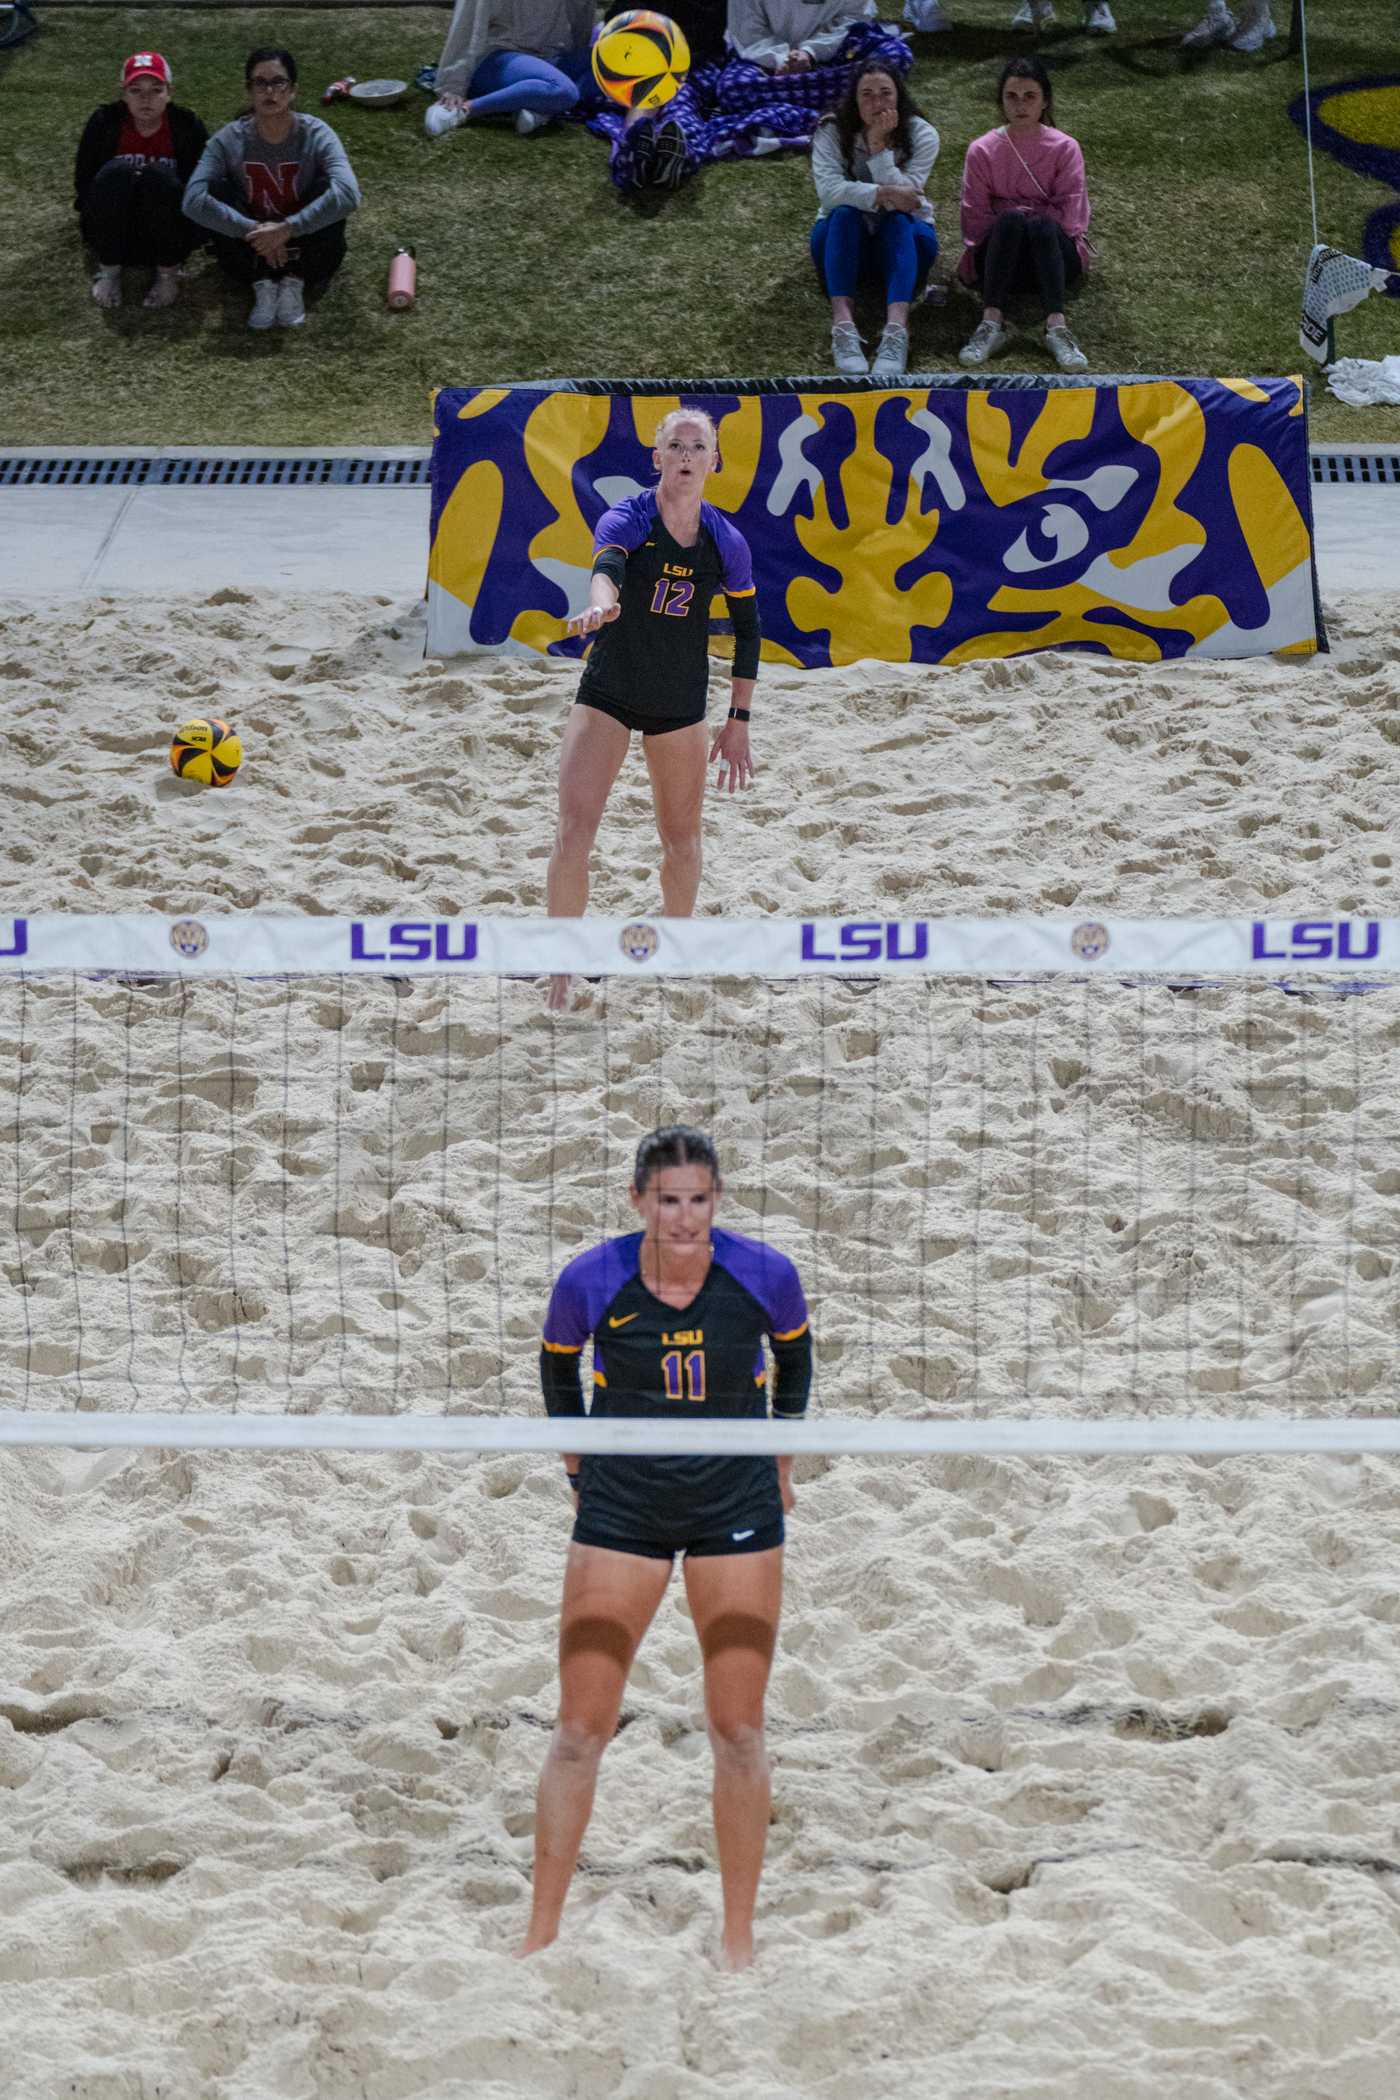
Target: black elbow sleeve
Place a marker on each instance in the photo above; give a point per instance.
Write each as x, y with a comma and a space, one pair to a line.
743, 614
612, 563
792, 1359
559, 1381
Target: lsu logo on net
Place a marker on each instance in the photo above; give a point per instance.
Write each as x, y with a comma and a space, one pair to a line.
1316, 940
414, 940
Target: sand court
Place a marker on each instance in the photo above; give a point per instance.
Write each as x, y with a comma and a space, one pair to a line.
1083, 1771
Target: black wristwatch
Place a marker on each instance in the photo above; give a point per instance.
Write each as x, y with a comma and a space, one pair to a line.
740, 714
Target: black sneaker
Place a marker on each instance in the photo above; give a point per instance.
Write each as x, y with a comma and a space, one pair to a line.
670, 157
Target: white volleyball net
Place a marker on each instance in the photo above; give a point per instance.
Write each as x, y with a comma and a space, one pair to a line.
1102, 1186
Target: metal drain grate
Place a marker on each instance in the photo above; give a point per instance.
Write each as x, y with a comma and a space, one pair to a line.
157, 472
300, 471
1358, 467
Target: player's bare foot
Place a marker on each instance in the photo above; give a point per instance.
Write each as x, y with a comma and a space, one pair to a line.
736, 1951
556, 999
536, 1937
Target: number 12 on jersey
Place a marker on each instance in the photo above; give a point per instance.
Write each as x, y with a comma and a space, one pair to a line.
673, 597
684, 1375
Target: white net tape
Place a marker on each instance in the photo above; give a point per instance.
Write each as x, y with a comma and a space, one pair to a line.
822, 1434
644, 950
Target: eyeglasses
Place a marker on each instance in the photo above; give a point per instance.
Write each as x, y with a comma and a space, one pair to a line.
272, 86
686, 451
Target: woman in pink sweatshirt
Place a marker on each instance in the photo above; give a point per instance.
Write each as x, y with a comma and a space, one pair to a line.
1025, 216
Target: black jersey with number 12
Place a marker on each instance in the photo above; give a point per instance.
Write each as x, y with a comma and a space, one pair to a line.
655, 656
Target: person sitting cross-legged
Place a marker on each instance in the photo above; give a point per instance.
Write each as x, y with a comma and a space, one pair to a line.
528, 60
870, 162
1025, 217
275, 188
134, 159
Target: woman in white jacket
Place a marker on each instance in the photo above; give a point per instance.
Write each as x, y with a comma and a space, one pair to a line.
870, 160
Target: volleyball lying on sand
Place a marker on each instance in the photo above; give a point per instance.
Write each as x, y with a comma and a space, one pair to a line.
206, 751
640, 58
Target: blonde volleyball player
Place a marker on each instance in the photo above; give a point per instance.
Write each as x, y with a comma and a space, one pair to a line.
676, 1315
658, 561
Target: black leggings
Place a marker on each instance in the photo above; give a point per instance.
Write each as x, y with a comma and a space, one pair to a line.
132, 215
1027, 252
314, 257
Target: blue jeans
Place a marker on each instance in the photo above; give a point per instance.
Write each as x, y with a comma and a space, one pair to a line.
507, 81
900, 252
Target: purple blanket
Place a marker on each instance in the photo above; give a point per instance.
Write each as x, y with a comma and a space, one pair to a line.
734, 110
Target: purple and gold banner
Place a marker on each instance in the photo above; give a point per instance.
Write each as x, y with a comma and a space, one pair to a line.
1142, 519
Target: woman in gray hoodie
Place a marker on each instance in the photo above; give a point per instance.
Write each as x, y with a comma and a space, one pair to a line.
275, 188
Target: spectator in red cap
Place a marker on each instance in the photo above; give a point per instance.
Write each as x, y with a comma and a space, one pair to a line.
134, 159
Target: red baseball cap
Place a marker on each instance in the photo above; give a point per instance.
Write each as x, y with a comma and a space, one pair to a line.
146, 65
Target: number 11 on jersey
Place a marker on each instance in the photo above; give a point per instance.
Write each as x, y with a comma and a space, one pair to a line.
683, 1376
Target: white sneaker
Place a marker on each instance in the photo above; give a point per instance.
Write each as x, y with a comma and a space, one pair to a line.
985, 340
1034, 14
291, 305
933, 18
438, 118
1256, 27
528, 120
165, 289
107, 288
264, 312
891, 358
846, 353
1098, 18
1216, 26
1065, 351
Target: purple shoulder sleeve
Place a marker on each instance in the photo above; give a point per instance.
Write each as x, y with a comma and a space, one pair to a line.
770, 1277
626, 525
585, 1290
735, 560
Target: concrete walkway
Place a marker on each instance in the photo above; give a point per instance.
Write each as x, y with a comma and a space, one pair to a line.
91, 542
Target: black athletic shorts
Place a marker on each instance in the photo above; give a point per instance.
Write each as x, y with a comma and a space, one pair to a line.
756, 1538
633, 718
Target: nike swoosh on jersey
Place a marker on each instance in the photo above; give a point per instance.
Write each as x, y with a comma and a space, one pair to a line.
736, 1535
623, 1321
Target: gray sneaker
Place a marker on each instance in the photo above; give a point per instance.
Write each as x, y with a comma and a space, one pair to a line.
891, 359
1256, 27
985, 340
846, 353
1065, 351
1098, 18
264, 314
1216, 26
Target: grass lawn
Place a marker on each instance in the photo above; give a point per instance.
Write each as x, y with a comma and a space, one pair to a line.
530, 265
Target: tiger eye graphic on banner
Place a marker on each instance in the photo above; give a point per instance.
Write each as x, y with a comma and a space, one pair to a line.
1140, 519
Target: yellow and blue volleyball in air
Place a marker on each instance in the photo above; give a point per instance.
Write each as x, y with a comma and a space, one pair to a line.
207, 751
640, 58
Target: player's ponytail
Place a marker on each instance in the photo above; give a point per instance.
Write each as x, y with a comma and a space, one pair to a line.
677, 1145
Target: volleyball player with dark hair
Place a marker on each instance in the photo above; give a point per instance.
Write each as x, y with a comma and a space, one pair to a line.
676, 1314
659, 559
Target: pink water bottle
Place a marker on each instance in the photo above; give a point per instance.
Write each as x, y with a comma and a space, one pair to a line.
403, 280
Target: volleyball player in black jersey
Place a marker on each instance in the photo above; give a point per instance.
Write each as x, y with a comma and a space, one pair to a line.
676, 1315
658, 561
